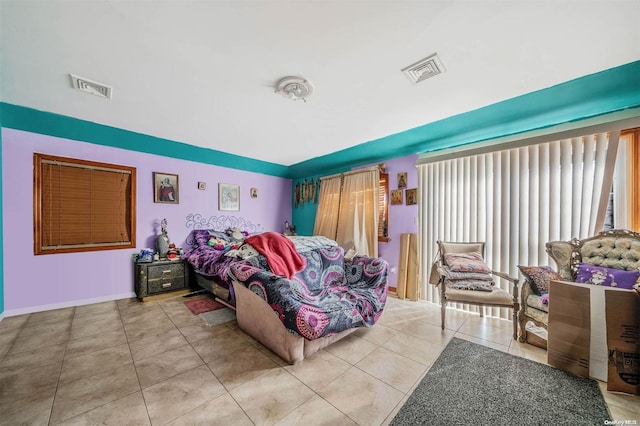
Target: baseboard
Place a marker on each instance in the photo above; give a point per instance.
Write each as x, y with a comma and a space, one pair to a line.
80, 302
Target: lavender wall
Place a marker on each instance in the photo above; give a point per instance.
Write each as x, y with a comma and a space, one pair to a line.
35, 283
402, 218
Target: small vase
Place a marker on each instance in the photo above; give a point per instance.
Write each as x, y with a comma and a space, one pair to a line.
162, 244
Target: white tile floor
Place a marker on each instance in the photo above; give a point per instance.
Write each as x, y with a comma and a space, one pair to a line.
132, 363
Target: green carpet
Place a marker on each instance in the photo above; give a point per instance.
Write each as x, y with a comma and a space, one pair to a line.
470, 384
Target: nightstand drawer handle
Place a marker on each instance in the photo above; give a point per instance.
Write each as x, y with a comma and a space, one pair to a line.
166, 285
168, 271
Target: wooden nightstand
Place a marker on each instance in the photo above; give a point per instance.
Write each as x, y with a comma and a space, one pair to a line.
155, 280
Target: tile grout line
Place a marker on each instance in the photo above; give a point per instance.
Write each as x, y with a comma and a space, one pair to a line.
55, 393
146, 408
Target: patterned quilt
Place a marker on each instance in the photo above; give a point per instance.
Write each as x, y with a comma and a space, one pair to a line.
328, 296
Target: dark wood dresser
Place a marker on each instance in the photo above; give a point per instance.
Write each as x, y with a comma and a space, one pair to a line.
161, 278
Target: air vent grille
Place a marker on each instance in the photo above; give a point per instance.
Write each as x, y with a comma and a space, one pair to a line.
424, 69
93, 87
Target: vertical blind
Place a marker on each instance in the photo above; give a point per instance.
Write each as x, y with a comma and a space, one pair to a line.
515, 200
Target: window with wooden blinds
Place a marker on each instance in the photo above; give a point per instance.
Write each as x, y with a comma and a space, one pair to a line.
82, 205
383, 208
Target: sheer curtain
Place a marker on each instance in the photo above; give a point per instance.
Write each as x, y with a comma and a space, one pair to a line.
515, 200
358, 221
328, 207
348, 210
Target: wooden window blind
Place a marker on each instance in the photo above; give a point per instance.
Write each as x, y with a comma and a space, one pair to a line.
383, 208
82, 205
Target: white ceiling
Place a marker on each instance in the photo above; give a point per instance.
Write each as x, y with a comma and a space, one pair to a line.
203, 72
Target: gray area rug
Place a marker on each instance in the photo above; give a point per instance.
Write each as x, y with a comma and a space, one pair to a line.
475, 385
219, 316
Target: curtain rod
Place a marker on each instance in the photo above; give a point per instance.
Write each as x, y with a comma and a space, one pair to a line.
352, 172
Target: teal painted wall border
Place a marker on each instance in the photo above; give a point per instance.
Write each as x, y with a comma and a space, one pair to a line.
31, 120
605, 92
601, 93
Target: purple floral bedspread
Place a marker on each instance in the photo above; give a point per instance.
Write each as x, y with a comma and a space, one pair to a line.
205, 259
327, 297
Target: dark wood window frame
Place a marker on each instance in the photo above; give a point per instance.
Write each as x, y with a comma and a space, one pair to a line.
634, 176
81, 205
383, 208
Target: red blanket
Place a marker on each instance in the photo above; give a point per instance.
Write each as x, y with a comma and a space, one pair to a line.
280, 252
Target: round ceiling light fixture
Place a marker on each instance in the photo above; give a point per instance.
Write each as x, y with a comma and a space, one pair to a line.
294, 88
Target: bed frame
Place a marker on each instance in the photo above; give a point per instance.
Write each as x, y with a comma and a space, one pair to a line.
255, 317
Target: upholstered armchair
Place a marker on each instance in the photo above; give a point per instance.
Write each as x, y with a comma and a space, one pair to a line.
473, 283
617, 250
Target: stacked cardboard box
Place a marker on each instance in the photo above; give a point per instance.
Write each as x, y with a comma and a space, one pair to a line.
595, 332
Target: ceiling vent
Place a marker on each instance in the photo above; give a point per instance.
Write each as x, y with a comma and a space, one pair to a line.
424, 69
93, 87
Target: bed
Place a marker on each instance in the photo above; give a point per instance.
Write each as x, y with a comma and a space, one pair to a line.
295, 295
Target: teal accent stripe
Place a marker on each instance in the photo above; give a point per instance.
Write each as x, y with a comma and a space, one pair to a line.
31, 120
605, 92
590, 96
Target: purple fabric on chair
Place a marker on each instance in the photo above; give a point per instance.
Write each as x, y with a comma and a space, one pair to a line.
599, 275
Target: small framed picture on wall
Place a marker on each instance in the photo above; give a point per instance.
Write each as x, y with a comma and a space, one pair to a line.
402, 180
228, 197
412, 196
165, 188
396, 196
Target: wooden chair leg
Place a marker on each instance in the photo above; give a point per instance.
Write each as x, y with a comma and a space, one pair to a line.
481, 310
516, 308
443, 309
522, 320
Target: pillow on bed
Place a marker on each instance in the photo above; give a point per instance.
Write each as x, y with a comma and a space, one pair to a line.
599, 275
466, 262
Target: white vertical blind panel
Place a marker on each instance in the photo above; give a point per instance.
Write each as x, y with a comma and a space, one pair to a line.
526, 203
622, 200
588, 176
598, 177
544, 192
514, 200
534, 198
566, 190
555, 183
576, 181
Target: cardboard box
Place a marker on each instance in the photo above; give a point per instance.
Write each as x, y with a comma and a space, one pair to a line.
569, 328
623, 341
593, 332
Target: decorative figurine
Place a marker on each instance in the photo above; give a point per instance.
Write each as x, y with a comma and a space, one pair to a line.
162, 240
